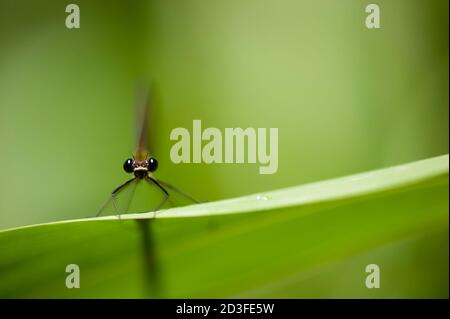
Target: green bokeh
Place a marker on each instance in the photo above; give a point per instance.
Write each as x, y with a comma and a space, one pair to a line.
345, 99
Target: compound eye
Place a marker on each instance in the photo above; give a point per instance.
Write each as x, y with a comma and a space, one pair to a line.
152, 164
128, 166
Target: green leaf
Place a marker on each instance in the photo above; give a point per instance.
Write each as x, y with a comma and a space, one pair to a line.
312, 240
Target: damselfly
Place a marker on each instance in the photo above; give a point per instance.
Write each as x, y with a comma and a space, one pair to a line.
142, 165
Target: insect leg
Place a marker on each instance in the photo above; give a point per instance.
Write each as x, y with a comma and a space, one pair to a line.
113, 196
171, 187
130, 198
166, 193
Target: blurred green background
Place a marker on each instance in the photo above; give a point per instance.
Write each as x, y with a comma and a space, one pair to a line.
345, 98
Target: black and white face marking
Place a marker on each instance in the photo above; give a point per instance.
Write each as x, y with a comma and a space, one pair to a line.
140, 168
